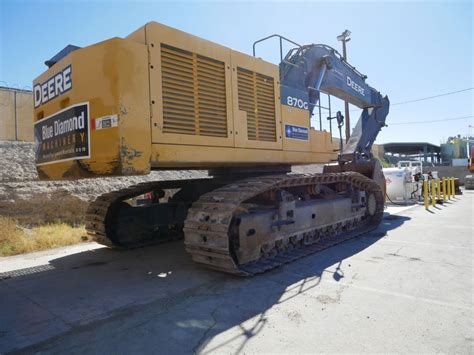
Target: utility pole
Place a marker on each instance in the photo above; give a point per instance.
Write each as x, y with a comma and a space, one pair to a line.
345, 37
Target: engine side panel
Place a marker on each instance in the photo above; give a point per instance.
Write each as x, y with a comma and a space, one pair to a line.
162, 98
109, 83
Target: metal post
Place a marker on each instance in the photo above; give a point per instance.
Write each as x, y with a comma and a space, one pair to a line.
330, 115
281, 50
345, 37
346, 104
444, 190
438, 190
433, 192
449, 189
453, 190
320, 121
15, 115
425, 194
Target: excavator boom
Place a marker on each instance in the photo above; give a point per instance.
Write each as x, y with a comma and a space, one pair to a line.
319, 68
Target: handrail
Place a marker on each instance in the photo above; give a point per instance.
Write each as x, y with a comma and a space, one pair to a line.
341, 58
281, 43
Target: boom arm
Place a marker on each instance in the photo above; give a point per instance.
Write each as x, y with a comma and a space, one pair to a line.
316, 68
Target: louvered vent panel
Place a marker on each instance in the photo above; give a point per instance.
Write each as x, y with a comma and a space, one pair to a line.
194, 93
257, 98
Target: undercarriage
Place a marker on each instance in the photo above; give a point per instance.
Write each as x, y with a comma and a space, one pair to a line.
243, 226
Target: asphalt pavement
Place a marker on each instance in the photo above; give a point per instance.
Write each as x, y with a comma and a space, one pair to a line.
406, 287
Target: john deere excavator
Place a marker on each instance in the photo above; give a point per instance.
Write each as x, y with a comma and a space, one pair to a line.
164, 99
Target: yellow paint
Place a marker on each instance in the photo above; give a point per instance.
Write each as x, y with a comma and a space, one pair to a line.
444, 190
425, 194
448, 182
438, 189
297, 117
112, 77
453, 189
175, 156
156, 35
257, 65
433, 192
123, 77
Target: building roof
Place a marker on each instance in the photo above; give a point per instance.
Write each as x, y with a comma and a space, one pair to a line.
410, 147
6, 88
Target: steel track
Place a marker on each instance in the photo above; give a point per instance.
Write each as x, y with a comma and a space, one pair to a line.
207, 228
98, 211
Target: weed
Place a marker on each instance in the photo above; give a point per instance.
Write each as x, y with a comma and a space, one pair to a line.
17, 240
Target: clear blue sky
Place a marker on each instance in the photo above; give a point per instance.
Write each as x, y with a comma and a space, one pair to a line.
409, 50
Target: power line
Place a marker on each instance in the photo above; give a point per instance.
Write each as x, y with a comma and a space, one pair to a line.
430, 97
432, 121
425, 98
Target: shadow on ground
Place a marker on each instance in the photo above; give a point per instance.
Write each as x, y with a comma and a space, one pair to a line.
154, 298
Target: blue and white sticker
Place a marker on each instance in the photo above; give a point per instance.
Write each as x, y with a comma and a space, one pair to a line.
296, 132
106, 122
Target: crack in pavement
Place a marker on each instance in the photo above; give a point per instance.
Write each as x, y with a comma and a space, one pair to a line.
209, 328
163, 306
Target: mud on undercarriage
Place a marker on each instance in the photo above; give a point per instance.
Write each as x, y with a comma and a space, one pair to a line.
246, 226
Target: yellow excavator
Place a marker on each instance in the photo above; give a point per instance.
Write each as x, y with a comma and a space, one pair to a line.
164, 99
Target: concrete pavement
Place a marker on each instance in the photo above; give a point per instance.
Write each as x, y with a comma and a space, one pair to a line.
407, 287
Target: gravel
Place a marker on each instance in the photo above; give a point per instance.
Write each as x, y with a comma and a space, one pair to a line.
19, 179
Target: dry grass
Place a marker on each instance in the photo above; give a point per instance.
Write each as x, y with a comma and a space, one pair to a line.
44, 209
17, 240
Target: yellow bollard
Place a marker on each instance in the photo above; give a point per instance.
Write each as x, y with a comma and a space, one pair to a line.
448, 182
425, 194
444, 190
438, 189
433, 192
453, 190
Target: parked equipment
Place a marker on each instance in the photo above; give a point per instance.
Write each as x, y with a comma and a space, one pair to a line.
469, 179
401, 186
414, 166
469, 182
471, 160
164, 99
